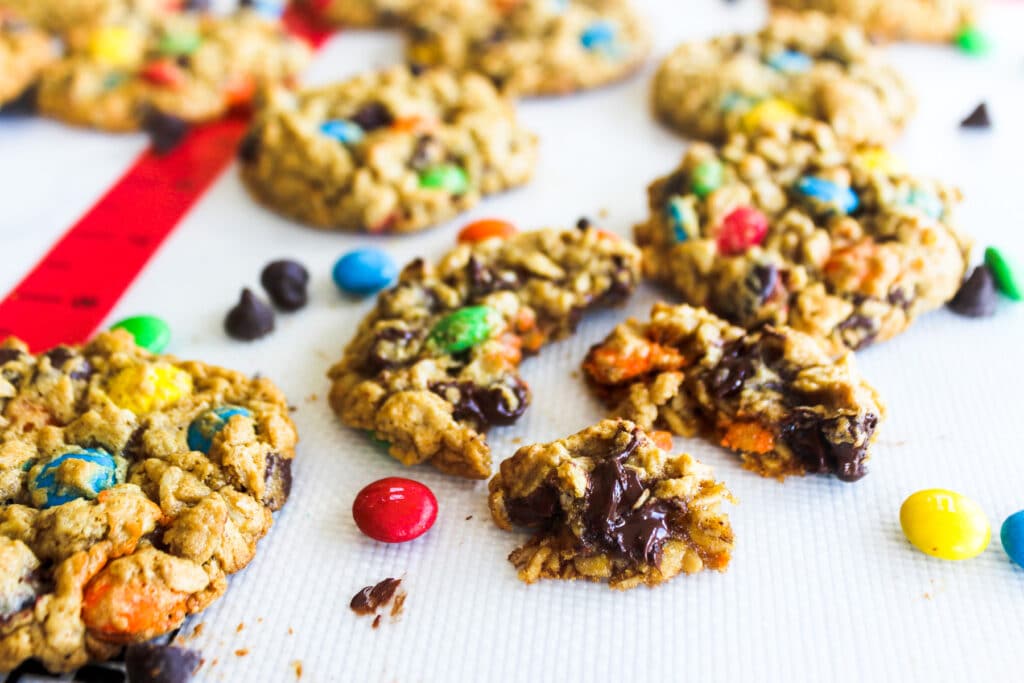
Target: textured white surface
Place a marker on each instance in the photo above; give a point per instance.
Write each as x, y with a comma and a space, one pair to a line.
823, 585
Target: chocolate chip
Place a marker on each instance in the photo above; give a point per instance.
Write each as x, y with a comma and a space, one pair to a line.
415, 68
373, 116
285, 282
857, 331
391, 347
484, 280
165, 131
8, 355
764, 280
736, 365
583, 223
485, 405
149, 663
539, 509
249, 319
58, 356
978, 118
977, 297
837, 446
249, 148
278, 481
426, 153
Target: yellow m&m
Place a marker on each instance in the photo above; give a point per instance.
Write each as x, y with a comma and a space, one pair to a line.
116, 46
945, 524
145, 388
879, 159
768, 112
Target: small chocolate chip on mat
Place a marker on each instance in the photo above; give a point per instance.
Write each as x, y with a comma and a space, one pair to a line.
978, 118
165, 131
977, 297
285, 282
249, 319
147, 663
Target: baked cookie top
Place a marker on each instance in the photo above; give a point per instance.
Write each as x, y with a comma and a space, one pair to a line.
774, 395
389, 151
924, 20
799, 64
191, 66
532, 47
131, 485
361, 13
609, 504
60, 16
24, 52
788, 227
436, 361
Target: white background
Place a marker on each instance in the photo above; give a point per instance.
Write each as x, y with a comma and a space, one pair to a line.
823, 586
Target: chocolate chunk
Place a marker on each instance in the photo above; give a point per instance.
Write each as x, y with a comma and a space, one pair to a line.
165, 131
484, 280
249, 319
59, 355
764, 278
539, 509
426, 153
8, 355
373, 116
736, 365
484, 406
978, 118
583, 223
285, 282
149, 663
836, 446
858, 331
415, 68
370, 598
249, 148
643, 532
977, 297
278, 481
392, 347
621, 286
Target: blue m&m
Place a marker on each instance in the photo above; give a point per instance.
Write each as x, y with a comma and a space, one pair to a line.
924, 201
78, 473
683, 219
1012, 537
342, 130
364, 271
790, 62
827, 196
209, 424
600, 36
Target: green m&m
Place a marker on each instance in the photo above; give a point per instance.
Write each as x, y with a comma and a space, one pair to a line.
448, 177
463, 329
180, 43
151, 333
1007, 275
707, 177
971, 40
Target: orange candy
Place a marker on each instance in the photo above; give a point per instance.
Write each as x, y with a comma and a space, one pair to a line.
412, 124
481, 230
122, 611
662, 440
240, 90
609, 366
748, 437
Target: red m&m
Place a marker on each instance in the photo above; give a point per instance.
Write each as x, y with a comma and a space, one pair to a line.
395, 510
742, 229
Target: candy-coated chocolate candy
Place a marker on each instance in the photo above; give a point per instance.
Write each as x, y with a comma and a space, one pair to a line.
945, 524
395, 510
790, 62
209, 423
768, 112
164, 72
364, 271
683, 217
481, 230
707, 177
345, 132
1007, 274
742, 229
827, 196
600, 36
179, 43
78, 473
1012, 536
971, 40
924, 201
272, 9
115, 46
447, 177
463, 329
150, 333
879, 159
144, 388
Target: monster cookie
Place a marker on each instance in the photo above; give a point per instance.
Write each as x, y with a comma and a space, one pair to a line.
774, 395
60, 16
608, 504
389, 151
131, 486
436, 362
926, 20
788, 227
361, 12
799, 64
24, 52
532, 47
190, 66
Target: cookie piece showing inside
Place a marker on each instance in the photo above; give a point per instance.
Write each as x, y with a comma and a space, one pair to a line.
800, 64
775, 396
24, 52
607, 504
131, 486
390, 151
435, 363
532, 47
850, 247
921, 20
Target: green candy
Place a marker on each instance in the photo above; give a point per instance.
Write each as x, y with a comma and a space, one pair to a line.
1007, 277
971, 40
463, 329
707, 177
447, 177
177, 44
150, 333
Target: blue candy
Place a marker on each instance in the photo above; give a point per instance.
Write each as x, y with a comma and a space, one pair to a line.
559, 6
1012, 536
345, 132
55, 484
208, 425
683, 218
734, 101
272, 9
790, 62
925, 202
364, 271
600, 36
828, 196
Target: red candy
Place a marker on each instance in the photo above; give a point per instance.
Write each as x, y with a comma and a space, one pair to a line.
395, 510
743, 228
164, 72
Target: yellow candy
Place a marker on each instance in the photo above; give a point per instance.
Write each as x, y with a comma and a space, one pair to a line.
144, 388
945, 524
770, 111
116, 46
879, 159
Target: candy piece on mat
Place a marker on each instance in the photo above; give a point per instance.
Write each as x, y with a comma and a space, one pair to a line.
285, 282
978, 118
1006, 274
80, 473
1012, 537
160, 663
463, 329
145, 388
150, 332
478, 231
209, 424
250, 318
971, 40
447, 177
364, 271
395, 510
977, 296
945, 524
742, 229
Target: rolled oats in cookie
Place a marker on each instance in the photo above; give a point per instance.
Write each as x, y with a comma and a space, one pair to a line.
131, 486
361, 13
61, 16
608, 504
532, 47
799, 64
923, 20
851, 247
436, 362
390, 151
190, 66
774, 395
24, 53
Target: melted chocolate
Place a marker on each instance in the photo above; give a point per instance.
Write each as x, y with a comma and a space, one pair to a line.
370, 598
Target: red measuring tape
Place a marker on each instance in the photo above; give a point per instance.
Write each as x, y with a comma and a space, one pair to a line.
64, 298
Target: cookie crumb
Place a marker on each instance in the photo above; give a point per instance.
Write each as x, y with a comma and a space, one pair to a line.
240, 627
398, 605
297, 666
241, 652
376, 621
469, 517
312, 398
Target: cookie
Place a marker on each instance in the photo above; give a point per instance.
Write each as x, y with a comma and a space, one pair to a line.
922, 20
191, 66
608, 504
390, 151
436, 362
24, 52
131, 486
60, 16
775, 396
361, 13
789, 227
532, 47
800, 64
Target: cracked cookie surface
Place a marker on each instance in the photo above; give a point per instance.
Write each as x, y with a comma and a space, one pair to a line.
436, 362
800, 64
362, 13
390, 151
775, 396
532, 47
789, 227
923, 20
60, 16
24, 52
131, 486
608, 504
